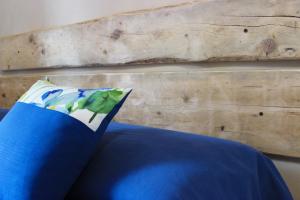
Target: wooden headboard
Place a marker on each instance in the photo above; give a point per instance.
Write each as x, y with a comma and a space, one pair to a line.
188, 86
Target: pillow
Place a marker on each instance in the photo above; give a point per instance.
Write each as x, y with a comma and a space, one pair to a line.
49, 135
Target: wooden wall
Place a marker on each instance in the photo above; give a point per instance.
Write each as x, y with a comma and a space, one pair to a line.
257, 103
206, 30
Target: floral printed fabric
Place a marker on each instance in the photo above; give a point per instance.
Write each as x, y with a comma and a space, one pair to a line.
90, 106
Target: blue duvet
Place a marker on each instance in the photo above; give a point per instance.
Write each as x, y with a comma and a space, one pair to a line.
141, 163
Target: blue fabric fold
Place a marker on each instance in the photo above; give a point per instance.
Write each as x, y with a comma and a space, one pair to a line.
136, 162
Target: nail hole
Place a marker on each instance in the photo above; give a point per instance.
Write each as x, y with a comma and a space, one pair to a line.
245, 30
222, 128
3, 95
261, 113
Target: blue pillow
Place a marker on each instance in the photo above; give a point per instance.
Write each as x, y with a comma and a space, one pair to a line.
135, 162
43, 149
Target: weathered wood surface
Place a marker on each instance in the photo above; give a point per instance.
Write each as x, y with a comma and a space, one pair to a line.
260, 107
206, 30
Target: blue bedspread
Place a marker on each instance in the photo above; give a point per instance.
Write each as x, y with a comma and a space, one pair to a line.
141, 163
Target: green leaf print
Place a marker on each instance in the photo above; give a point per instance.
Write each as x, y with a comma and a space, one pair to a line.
100, 102
69, 106
82, 104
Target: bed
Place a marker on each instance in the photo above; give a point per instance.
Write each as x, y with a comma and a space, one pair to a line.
137, 162
181, 83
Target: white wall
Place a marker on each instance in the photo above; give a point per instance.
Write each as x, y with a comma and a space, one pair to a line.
18, 16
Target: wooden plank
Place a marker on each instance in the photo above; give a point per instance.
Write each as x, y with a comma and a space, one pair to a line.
257, 107
206, 30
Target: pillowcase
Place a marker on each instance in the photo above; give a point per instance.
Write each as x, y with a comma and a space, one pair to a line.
49, 135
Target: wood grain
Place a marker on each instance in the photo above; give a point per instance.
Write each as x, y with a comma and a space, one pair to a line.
206, 30
259, 107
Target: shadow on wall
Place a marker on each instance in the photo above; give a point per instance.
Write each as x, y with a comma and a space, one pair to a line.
290, 171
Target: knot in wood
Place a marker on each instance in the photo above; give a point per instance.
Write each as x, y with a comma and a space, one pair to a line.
268, 46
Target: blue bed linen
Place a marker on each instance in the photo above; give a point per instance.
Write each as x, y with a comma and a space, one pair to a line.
141, 163
135, 162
